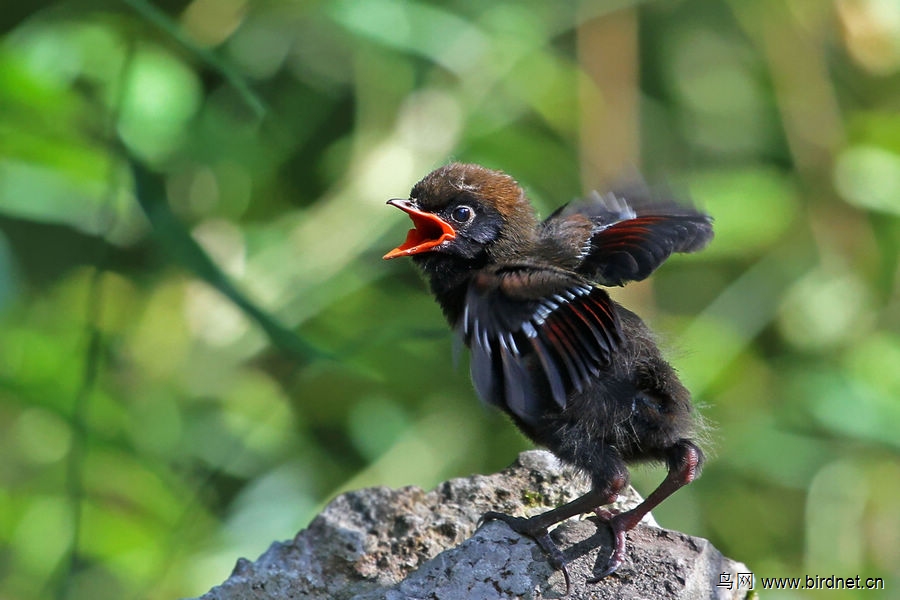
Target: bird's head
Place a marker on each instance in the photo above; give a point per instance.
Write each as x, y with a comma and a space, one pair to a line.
467, 211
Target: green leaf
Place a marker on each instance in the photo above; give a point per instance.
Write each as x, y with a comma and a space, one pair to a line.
150, 192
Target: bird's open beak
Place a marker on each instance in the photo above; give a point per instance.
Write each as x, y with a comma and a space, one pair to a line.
430, 231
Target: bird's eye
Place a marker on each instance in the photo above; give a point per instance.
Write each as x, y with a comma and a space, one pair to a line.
462, 214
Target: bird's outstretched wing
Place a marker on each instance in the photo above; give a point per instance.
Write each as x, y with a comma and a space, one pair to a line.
536, 334
631, 233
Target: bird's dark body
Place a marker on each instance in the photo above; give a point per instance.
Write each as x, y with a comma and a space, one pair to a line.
634, 410
578, 373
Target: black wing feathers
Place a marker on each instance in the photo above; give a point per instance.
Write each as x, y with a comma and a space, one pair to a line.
632, 234
536, 334
631, 250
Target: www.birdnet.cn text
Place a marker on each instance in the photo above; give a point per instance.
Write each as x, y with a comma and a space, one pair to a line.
749, 581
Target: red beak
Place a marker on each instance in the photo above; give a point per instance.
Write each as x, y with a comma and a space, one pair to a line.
430, 231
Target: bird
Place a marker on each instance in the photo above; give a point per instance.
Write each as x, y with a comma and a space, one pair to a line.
577, 373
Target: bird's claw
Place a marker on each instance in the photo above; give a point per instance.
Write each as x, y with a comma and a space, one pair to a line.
605, 515
539, 534
494, 516
620, 524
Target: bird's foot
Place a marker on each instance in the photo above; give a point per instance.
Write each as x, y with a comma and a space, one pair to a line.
685, 460
604, 514
620, 523
539, 533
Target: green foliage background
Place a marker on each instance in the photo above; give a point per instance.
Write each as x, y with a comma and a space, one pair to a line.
201, 344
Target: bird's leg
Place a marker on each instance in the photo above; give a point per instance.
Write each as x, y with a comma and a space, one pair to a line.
685, 460
538, 526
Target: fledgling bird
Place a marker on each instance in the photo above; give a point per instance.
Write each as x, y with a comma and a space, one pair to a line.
577, 373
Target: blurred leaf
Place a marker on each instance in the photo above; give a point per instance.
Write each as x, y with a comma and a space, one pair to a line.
850, 407
752, 207
414, 27
159, 98
825, 309
159, 19
175, 238
869, 177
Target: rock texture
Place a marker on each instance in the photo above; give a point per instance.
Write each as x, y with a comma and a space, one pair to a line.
380, 543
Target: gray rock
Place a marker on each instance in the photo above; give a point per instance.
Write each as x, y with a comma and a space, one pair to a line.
384, 544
